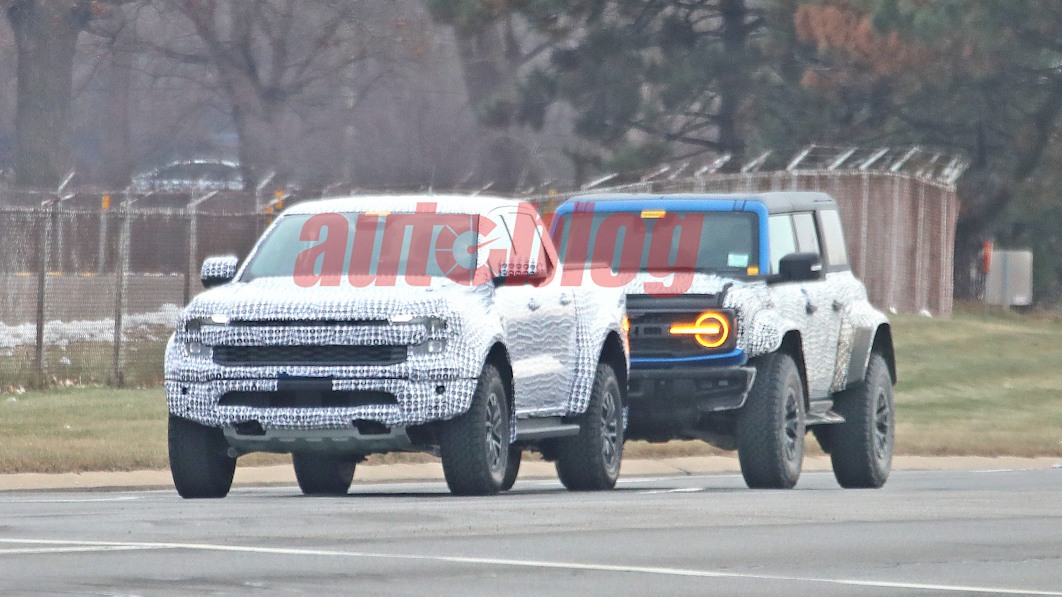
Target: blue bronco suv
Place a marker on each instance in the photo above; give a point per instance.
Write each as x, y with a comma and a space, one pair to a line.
747, 327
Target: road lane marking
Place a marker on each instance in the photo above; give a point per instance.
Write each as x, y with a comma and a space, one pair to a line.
128, 498
542, 564
73, 549
675, 490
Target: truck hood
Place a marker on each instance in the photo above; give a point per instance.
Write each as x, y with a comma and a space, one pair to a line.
280, 299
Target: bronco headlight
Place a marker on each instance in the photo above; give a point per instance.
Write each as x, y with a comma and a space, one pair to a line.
711, 330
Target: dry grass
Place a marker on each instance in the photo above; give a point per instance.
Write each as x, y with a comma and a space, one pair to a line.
968, 386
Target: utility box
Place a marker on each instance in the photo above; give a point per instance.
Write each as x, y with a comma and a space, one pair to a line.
1009, 280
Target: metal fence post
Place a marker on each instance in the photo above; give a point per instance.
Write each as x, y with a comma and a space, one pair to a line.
120, 267
192, 211
44, 257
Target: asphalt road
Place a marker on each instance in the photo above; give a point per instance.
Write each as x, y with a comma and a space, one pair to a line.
989, 532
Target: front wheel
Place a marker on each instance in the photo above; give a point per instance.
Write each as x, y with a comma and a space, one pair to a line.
770, 427
512, 469
861, 447
590, 461
199, 460
320, 474
475, 445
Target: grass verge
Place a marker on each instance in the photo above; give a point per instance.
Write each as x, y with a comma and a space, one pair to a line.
969, 385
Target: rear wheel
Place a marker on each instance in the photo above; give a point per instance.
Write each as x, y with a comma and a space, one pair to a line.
199, 460
591, 460
861, 447
475, 445
320, 474
770, 427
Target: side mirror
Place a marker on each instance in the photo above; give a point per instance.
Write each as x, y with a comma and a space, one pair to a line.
218, 270
521, 272
800, 267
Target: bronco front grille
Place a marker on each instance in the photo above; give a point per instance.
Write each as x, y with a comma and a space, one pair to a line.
331, 356
650, 335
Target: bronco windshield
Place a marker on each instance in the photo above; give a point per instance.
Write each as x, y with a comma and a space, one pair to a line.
367, 249
659, 241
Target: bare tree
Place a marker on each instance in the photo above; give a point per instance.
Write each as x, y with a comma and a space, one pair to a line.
46, 34
274, 61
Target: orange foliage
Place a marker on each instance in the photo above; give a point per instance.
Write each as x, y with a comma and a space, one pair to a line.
842, 28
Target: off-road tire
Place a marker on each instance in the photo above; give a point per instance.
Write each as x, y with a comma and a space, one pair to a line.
861, 447
199, 460
512, 468
770, 426
323, 474
475, 445
591, 460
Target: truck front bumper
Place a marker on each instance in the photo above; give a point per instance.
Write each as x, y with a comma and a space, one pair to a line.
318, 403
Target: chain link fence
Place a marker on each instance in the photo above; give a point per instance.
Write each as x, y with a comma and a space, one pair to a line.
91, 295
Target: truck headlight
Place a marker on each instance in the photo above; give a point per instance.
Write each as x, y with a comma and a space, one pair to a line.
197, 350
429, 347
198, 323
435, 342
711, 330
434, 325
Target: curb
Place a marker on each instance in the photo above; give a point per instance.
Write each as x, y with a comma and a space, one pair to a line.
432, 471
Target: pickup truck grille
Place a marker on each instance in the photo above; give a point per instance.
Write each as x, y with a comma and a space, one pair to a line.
331, 356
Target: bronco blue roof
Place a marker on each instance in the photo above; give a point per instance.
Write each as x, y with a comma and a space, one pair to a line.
775, 202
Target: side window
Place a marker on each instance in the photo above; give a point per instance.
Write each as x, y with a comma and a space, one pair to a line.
782, 239
807, 238
833, 237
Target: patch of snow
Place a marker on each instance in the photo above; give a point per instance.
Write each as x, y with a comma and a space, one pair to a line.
62, 333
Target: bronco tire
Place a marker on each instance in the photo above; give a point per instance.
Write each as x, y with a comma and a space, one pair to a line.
475, 445
770, 427
591, 460
199, 460
321, 474
861, 447
512, 468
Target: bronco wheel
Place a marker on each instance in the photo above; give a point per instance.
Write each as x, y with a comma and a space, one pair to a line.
475, 445
199, 460
861, 447
512, 469
321, 474
770, 427
591, 460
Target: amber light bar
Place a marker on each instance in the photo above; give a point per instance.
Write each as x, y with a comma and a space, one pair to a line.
711, 329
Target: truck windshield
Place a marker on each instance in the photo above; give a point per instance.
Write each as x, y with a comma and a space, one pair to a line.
367, 248
659, 241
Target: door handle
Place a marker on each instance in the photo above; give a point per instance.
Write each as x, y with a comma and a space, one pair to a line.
532, 304
837, 305
565, 298
810, 308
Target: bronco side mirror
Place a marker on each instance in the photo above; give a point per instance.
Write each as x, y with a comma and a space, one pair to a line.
218, 270
799, 267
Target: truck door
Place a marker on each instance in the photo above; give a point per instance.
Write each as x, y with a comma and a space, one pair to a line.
539, 320
823, 313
